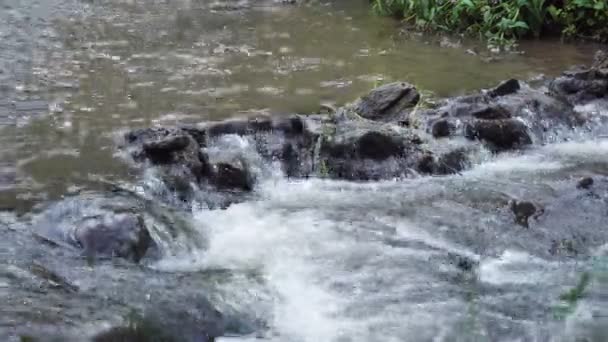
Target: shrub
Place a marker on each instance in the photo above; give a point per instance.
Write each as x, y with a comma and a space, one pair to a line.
503, 21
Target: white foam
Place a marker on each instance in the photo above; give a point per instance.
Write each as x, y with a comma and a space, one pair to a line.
283, 246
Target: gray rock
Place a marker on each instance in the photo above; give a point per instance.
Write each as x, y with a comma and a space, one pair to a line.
99, 227
387, 101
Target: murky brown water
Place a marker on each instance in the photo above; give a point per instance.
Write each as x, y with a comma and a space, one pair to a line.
75, 72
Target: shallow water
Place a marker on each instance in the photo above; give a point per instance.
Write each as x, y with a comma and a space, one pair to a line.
305, 260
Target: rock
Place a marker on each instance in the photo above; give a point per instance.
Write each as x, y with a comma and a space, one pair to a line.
505, 88
447, 163
176, 154
387, 101
113, 235
580, 85
441, 128
523, 210
491, 113
100, 227
584, 183
452, 162
377, 146
361, 151
500, 134
162, 151
231, 177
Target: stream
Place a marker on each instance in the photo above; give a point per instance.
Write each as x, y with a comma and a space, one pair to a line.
425, 258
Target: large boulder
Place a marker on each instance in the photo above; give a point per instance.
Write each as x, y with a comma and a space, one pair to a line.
387, 101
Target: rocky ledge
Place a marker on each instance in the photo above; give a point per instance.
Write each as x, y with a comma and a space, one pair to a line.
392, 132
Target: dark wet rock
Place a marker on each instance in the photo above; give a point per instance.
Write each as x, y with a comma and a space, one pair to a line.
162, 151
523, 210
232, 177
121, 235
176, 154
377, 146
100, 228
447, 163
169, 147
500, 120
387, 101
505, 88
500, 134
362, 150
585, 183
441, 129
452, 162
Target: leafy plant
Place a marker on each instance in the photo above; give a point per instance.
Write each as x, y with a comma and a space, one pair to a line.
501, 22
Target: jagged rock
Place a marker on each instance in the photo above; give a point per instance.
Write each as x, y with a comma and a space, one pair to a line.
500, 134
387, 101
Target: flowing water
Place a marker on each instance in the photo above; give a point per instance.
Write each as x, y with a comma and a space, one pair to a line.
303, 260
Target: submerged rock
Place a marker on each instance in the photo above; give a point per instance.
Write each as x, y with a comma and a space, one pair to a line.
100, 228
523, 210
585, 183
